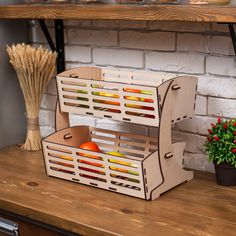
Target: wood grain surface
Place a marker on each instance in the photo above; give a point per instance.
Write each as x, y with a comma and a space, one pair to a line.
204, 13
199, 207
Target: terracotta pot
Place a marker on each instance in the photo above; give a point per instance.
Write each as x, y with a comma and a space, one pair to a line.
225, 174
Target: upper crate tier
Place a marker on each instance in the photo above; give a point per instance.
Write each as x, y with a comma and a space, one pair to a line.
125, 95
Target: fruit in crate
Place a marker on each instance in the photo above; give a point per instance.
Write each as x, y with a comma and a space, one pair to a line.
132, 98
118, 154
133, 106
115, 153
105, 94
146, 92
82, 91
146, 100
91, 146
130, 90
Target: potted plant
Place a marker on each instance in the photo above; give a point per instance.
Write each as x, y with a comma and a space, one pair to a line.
221, 148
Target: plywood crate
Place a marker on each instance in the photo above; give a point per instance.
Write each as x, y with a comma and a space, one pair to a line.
149, 166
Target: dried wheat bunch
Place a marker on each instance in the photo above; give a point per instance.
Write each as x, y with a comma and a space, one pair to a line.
34, 68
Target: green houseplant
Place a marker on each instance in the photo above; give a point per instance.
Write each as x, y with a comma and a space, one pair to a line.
221, 148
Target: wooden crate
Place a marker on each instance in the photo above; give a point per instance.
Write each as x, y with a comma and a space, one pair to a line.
129, 96
149, 166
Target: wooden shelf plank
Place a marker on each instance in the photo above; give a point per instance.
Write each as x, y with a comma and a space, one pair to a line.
164, 12
193, 208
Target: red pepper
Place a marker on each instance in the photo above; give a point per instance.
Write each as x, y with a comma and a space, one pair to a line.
234, 124
225, 126
210, 131
216, 138
234, 133
219, 120
233, 150
234, 141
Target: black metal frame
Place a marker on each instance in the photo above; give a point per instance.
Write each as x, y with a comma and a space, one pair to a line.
59, 40
232, 35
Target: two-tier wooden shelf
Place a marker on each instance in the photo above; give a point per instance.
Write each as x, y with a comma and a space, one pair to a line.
149, 165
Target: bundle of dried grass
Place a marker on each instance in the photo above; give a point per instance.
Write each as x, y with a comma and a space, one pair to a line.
34, 68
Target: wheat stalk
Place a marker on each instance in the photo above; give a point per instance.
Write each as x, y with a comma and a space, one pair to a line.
34, 68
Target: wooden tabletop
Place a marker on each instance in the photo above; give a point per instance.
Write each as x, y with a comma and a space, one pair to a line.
204, 13
199, 207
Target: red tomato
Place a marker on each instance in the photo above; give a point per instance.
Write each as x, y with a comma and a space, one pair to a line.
91, 146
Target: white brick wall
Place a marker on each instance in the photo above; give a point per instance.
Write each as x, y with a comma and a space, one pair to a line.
92, 37
221, 45
192, 43
78, 54
118, 57
200, 49
180, 27
222, 107
163, 41
175, 62
224, 66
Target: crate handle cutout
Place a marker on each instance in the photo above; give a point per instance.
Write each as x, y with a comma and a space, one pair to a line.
168, 155
67, 136
175, 87
74, 76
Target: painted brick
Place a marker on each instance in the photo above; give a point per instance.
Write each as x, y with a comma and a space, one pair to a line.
222, 107
125, 24
44, 117
52, 88
175, 62
77, 23
93, 37
224, 66
52, 118
179, 26
192, 43
49, 102
194, 142
221, 45
217, 87
82, 120
201, 105
222, 28
115, 24
108, 24
198, 162
46, 130
163, 41
118, 57
198, 124
78, 54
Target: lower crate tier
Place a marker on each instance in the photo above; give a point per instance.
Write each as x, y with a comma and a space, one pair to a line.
135, 173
